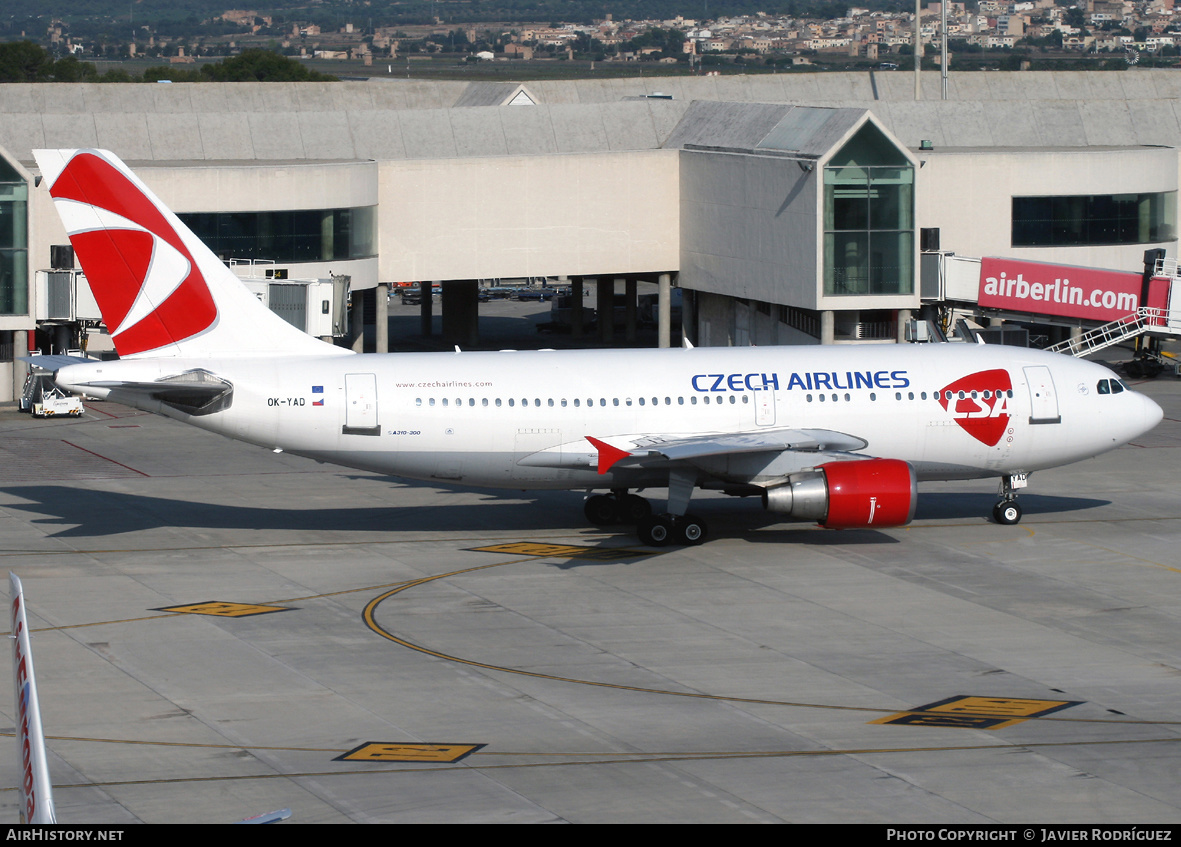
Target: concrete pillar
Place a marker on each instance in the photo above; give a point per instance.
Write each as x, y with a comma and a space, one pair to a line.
827, 327
903, 320
461, 312
576, 295
382, 313
425, 318
357, 321
61, 338
605, 303
629, 287
664, 309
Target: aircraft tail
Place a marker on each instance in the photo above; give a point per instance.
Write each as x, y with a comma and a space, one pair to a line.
161, 291
36, 805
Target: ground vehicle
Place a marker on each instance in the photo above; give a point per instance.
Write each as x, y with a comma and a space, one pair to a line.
44, 399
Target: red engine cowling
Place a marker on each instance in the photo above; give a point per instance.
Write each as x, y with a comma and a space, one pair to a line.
849, 495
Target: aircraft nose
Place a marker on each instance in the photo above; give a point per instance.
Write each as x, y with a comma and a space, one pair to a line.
1153, 414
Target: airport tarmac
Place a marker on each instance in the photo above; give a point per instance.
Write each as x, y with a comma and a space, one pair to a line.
220, 631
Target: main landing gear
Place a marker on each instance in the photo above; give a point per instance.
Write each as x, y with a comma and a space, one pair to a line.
659, 530
1008, 510
619, 507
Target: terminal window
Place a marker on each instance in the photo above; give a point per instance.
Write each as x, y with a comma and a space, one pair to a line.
1094, 219
308, 235
14, 242
868, 218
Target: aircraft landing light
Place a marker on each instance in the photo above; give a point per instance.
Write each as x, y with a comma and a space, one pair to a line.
222, 609
377, 751
571, 551
967, 712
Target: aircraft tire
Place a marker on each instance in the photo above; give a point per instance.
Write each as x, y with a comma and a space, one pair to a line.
633, 508
655, 531
691, 530
601, 510
1006, 512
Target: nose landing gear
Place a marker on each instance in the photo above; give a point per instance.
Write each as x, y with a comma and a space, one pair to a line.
1008, 511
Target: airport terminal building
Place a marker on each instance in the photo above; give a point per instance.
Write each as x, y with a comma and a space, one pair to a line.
792, 208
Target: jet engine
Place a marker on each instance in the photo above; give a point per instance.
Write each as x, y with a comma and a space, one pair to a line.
847, 495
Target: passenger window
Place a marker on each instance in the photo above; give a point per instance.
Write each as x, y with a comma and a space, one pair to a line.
417, 401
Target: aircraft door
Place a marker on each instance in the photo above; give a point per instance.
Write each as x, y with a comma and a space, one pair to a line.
765, 407
1043, 400
360, 416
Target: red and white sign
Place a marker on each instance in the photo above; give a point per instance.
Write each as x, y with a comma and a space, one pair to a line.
1064, 290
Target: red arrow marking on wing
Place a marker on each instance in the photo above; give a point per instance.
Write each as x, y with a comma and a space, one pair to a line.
608, 455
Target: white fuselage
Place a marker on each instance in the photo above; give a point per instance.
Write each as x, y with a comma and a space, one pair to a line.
520, 419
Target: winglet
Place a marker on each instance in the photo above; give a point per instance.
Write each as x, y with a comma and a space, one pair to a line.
608, 455
36, 804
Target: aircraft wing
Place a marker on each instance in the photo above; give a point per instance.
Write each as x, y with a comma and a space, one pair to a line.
656, 450
764, 441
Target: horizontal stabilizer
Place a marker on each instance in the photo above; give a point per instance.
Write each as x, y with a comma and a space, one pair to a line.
55, 361
196, 392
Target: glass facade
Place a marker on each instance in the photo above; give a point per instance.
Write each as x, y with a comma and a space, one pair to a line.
14, 242
868, 218
1094, 219
317, 235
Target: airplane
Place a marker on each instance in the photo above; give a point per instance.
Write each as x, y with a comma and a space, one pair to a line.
838, 435
36, 791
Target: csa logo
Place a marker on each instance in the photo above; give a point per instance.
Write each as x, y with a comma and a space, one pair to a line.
979, 403
148, 286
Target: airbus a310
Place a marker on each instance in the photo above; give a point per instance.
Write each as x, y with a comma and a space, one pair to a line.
839, 435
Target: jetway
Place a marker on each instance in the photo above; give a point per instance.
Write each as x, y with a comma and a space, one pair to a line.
1119, 306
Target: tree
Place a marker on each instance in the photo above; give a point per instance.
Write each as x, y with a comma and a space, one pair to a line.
262, 66
24, 61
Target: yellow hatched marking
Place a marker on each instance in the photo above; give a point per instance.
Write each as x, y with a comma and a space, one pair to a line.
376, 751
224, 610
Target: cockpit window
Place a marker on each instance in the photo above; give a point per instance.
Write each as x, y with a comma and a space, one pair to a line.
1112, 386
1117, 386
1104, 386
